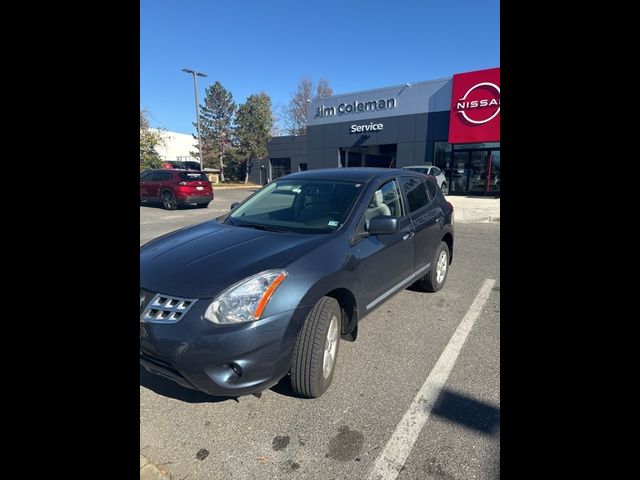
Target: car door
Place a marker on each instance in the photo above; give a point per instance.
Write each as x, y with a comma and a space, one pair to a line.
385, 260
144, 178
161, 179
146, 185
427, 219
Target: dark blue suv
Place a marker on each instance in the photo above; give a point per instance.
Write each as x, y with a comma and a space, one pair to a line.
232, 305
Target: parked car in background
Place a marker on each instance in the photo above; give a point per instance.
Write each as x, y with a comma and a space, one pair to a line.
232, 305
181, 164
434, 172
175, 187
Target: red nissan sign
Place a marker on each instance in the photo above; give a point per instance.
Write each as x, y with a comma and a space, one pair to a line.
475, 107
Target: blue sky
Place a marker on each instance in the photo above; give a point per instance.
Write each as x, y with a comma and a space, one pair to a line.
251, 46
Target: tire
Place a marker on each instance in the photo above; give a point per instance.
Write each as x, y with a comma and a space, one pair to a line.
203, 205
443, 187
437, 276
169, 201
318, 340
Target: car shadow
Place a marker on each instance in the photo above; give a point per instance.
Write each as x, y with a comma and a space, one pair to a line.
167, 388
466, 411
158, 206
283, 387
414, 288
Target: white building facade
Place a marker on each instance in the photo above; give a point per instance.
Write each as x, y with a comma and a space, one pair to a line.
176, 146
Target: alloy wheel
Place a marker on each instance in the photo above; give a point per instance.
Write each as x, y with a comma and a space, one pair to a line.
330, 348
441, 267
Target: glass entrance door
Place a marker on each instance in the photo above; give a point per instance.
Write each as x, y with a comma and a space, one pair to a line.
458, 181
493, 181
475, 172
478, 169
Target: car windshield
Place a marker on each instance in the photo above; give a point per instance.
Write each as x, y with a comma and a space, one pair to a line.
302, 206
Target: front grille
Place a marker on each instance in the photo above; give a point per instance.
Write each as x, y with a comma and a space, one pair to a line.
166, 309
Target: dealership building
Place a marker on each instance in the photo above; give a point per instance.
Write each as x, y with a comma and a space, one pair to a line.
451, 123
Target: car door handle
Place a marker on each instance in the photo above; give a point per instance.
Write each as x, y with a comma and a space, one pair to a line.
408, 236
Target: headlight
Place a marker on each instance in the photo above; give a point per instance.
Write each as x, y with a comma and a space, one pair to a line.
245, 301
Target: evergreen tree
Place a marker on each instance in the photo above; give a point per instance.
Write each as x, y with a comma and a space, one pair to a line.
254, 120
216, 117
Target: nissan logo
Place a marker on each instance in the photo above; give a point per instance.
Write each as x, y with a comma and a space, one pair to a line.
463, 105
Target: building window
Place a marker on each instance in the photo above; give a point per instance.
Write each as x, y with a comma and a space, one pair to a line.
302, 167
280, 167
442, 155
355, 159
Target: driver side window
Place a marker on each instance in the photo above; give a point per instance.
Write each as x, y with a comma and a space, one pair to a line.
385, 201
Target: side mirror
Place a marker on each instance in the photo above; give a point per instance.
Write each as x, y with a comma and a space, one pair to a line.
234, 205
383, 225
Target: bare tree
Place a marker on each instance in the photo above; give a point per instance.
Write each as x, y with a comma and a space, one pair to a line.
324, 90
295, 118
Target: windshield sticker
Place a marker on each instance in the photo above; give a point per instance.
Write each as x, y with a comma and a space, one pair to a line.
333, 223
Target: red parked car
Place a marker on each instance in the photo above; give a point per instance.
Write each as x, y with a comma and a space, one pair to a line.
175, 187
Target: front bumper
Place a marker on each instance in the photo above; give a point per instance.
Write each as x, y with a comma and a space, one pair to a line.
230, 360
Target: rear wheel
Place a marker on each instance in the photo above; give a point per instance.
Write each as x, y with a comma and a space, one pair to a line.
169, 201
437, 276
443, 187
314, 355
203, 205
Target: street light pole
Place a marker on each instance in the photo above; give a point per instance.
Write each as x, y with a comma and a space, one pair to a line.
195, 92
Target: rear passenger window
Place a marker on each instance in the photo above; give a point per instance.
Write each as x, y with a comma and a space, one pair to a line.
416, 192
432, 188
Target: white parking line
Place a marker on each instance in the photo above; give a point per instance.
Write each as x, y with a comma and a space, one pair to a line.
395, 453
162, 219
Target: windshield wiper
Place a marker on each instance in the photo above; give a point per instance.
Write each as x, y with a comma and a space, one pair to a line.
269, 228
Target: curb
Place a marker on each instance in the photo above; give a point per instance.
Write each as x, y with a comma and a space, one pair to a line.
149, 471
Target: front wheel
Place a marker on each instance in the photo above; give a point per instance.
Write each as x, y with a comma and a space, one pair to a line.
437, 276
443, 187
314, 355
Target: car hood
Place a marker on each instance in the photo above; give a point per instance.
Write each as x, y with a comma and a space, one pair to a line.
203, 260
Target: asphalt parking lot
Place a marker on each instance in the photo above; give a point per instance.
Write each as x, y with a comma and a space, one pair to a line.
415, 397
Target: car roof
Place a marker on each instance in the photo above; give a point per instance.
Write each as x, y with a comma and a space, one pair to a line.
171, 170
418, 166
356, 174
